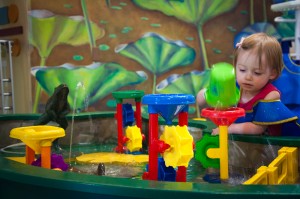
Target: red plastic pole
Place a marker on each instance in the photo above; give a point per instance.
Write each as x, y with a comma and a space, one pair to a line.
181, 174
183, 118
181, 171
138, 115
153, 137
119, 118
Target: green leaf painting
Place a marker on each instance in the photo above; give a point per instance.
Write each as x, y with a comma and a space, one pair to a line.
48, 30
255, 28
158, 54
262, 27
197, 12
187, 83
87, 84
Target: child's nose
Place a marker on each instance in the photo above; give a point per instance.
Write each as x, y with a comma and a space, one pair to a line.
248, 76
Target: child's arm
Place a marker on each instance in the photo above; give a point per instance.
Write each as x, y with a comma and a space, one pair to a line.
249, 128
200, 97
274, 95
246, 128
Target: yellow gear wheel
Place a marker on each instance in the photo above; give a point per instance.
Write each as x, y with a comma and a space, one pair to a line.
133, 133
181, 146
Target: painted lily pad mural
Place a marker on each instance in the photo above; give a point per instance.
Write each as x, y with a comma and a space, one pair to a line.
255, 28
187, 83
158, 54
49, 30
196, 12
87, 84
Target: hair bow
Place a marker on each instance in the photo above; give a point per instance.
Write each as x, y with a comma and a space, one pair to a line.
239, 44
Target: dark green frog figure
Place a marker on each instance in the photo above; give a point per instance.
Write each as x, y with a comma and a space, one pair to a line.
57, 107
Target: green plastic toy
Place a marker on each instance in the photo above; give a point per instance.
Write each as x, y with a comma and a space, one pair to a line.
207, 142
222, 92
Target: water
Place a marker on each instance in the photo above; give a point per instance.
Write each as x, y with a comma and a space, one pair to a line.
195, 171
244, 159
14, 149
111, 169
79, 87
219, 105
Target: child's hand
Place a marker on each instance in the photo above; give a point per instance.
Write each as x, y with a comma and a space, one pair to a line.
215, 131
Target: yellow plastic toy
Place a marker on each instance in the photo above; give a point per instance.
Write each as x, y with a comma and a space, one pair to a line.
261, 177
38, 140
109, 157
223, 119
221, 152
181, 146
278, 170
282, 170
292, 163
133, 133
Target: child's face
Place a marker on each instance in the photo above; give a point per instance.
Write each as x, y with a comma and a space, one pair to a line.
250, 77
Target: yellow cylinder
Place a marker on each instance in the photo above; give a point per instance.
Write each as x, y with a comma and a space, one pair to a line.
223, 140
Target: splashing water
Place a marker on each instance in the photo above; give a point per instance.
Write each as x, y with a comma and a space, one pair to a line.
218, 105
78, 87
246, 157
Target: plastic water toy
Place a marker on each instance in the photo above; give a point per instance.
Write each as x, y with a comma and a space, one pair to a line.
206, 143
125, 117
175, 143
282, 170
223, 119
50, 183
109, 157
180, 141
57, 162
38, 140
222, 92
135, 138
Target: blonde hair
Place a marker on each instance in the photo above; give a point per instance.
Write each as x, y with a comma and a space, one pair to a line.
264, 45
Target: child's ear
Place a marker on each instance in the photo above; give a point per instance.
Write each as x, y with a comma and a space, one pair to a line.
273, 74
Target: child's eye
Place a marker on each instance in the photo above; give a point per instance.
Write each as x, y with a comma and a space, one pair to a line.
257, 73
242, 70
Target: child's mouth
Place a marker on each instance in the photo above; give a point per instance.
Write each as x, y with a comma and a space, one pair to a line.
247, 85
